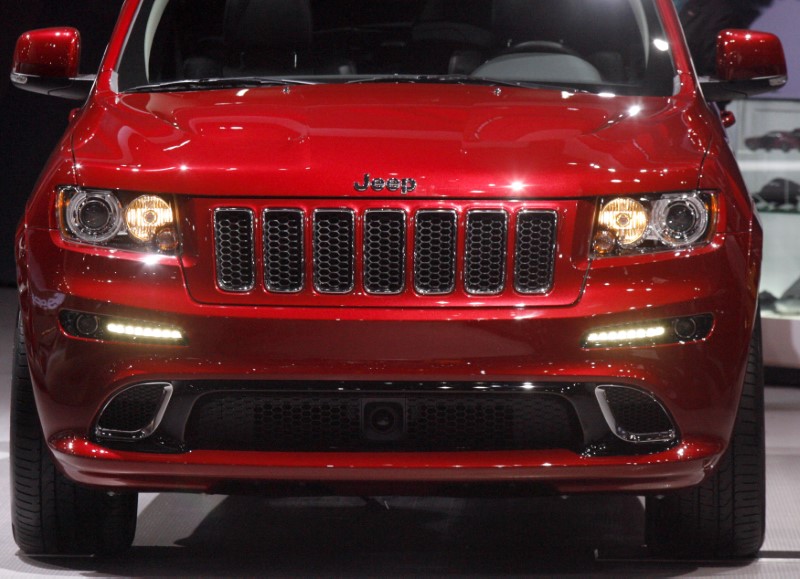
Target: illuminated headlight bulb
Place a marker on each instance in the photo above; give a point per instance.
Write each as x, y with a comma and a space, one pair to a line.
626, 218
145, 215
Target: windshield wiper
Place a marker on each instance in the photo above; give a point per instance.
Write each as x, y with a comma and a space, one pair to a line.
462, 79
210, 83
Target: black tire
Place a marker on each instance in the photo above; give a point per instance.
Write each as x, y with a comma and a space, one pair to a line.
723, 517
51, 515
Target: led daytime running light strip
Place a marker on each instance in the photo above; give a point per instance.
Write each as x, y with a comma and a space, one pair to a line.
143, 332
627, 335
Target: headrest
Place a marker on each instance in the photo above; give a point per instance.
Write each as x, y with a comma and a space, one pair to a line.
268, 24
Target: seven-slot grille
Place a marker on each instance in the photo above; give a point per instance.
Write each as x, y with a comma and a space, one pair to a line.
374, 246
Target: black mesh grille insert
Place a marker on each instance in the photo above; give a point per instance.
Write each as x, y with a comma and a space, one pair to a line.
636, 412
326, 422
132, 410
485, 259
535, 252
384, 252
435, 252
233, 233
284, 262
334, 239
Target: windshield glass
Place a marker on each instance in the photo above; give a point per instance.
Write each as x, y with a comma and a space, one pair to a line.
592, 45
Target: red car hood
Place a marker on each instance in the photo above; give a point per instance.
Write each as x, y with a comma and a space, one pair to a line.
451, 140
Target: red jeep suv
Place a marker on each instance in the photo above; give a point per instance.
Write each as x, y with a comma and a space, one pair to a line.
407, 246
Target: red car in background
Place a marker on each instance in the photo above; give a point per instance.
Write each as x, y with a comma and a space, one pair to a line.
410, 246
783, 140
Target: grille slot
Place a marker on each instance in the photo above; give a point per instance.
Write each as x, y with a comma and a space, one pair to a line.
284, 255
535, 252
485, 258
384, 251
334, 251
435, 236
233, 234
327, 422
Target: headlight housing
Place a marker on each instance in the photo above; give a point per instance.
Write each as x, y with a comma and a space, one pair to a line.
118, 219
650, 223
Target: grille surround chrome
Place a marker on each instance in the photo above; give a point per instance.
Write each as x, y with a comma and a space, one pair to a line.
543, 288
317, 258
403, 251
469, 249
450, 288
301, 263
220, 255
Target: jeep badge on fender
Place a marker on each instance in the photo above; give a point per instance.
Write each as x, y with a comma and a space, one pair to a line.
393, 184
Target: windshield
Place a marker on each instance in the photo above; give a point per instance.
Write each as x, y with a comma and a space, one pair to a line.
591, 45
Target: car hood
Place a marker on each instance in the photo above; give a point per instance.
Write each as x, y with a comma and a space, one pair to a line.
452, 141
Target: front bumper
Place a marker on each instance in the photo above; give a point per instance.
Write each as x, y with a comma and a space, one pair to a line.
697, 383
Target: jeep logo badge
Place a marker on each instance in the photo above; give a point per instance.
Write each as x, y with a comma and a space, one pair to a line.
393, 184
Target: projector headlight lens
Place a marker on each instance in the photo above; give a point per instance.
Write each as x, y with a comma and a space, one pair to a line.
653, 223
97, 217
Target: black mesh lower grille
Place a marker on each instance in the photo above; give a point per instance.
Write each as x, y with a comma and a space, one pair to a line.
133, 409
636, 412
328, 422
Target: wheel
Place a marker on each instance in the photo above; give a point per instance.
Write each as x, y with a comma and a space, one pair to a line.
723, 517
51, 515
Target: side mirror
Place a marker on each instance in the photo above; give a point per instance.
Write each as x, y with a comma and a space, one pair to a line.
748, 63
47, 61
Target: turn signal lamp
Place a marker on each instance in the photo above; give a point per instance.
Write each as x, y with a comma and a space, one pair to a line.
145, 215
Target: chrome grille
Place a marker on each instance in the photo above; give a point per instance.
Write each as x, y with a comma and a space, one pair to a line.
535, 253
233, 233
284, 262
485, 258
386, 251
435, 252
334, 251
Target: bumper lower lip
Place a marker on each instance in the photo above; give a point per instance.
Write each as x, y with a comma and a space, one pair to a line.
204, 471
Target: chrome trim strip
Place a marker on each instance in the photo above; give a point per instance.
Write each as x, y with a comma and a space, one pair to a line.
249, 287
302, 264
367, 213
315, 259
621, 433
467, 250
452, 286
150, 428
553, 250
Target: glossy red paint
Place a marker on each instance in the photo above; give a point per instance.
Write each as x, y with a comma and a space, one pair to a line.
49, 52
560, 471
747, 54
467, 147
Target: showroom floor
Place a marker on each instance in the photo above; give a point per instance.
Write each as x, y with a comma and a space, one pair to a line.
196, 535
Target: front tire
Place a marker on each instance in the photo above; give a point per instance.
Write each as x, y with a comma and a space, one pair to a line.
51, 515
724, 516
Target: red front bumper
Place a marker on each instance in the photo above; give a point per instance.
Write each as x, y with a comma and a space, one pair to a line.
697, 383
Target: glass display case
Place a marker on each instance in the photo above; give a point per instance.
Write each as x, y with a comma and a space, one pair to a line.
766, 139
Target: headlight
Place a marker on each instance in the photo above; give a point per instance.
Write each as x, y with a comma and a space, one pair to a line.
628, 225
117, 219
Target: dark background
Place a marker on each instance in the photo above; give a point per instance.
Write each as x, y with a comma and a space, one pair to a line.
31, 124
